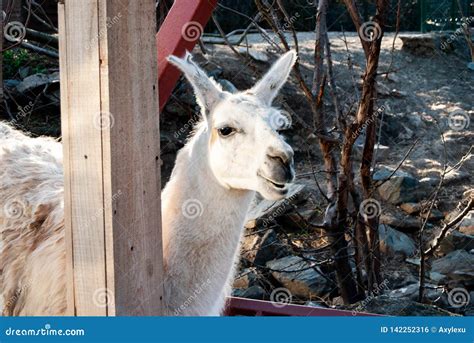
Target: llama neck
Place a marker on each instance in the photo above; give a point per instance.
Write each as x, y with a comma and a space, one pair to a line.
202, 227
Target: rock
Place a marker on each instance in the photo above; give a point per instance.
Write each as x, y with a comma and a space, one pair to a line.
246, 278
312, 139
458, 266
315, 304
455, 241
234, 39
337, 301
249, 246
400, 278
254, 292
261, 249
411, 207
414, 120
432, 293
380, 151
467, 224
228, 86
399, 188
392, 306
253, 53
400, 221
455, 177
392, 77
413, 260
251, 224
395, 127
37, 80
216, 73
10, 83
435, 214
395, 241
299, 278
418, 44
436, 277
381, 89
398, 93
427, 184
416, 208
24, 71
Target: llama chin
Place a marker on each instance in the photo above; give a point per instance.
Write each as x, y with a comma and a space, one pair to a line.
236, 151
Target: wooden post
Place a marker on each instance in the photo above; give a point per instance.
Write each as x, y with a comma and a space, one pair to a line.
110, 128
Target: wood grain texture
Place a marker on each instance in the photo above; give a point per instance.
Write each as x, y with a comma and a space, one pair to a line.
131, 157
66, 167
112, 134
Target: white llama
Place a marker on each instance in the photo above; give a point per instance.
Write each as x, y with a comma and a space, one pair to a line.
235, 151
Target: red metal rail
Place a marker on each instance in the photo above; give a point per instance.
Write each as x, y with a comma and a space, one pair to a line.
179, 32
253, 308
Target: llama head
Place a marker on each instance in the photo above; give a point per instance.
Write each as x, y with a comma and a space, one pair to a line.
245, 149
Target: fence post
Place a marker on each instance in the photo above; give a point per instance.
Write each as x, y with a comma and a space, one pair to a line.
110, 130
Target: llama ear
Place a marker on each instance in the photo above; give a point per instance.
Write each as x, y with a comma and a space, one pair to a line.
267, 88
208, 92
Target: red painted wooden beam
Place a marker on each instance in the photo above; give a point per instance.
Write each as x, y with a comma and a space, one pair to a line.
179, 32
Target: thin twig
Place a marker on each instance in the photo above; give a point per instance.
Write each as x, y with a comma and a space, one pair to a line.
437, 241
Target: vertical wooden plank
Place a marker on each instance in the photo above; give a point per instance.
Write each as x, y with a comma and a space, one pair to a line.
114, 170
66, 167
84, 139
131, 150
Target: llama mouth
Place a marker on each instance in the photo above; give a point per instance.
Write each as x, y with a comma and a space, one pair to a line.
274, 184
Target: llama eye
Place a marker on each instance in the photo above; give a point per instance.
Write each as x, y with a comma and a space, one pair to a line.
226, 131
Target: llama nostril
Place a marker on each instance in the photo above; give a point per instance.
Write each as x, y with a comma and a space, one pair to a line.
279, 159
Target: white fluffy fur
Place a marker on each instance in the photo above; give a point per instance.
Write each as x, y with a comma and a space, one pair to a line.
219, 175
